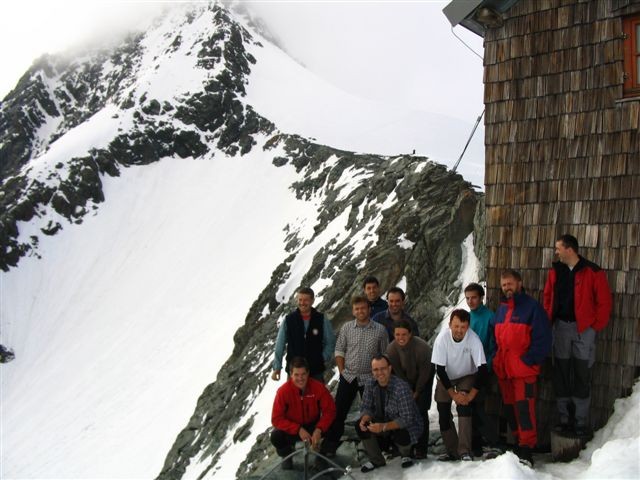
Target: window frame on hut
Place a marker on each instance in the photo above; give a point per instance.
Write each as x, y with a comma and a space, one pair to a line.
631, 28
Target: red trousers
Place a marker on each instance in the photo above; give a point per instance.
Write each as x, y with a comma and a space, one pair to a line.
520, 394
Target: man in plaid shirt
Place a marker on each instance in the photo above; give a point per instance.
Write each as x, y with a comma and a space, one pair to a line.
358, 342
388, 414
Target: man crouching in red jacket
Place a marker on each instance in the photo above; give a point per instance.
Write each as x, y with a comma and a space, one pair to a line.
302, 410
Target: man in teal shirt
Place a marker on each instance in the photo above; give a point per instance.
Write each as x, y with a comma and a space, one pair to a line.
485, 426
480, 318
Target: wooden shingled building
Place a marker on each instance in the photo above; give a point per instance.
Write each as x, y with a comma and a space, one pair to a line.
562, 155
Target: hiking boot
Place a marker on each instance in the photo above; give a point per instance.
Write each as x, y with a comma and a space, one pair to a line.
406, 462
447, 457
491, 452
287, 464
420, 454
525, 456
368, 467
465, 457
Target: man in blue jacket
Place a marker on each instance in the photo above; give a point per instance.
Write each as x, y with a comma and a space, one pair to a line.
523, 338
371, 287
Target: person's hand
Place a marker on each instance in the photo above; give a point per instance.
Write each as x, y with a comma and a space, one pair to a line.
364, 422
304, 435
315, 438
376, 427
275, 375
463, 398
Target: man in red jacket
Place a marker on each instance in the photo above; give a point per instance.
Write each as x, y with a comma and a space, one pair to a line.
577, 299
523, 340
302, 410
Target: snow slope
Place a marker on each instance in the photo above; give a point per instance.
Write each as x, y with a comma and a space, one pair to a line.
127, 317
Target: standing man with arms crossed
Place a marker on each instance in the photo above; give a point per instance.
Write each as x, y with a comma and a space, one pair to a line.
523, 339
410, 357
306, 333
302, 410
578, 301
462, 373
358, 342
395, 313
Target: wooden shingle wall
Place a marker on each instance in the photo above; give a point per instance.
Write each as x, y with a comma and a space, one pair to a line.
563, 156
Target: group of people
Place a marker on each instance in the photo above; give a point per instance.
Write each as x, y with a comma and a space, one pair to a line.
381, 357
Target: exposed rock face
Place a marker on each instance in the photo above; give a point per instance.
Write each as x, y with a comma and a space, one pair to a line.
60, 94
402, 219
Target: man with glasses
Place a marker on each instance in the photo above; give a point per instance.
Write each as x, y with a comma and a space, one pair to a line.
388, 413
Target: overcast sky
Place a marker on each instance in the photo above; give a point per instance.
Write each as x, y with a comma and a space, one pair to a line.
400, 52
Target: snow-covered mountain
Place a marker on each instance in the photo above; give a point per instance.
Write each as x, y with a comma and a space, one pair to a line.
160, 202
151, 208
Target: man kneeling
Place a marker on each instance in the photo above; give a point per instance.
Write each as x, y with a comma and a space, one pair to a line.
388, 413
302, 410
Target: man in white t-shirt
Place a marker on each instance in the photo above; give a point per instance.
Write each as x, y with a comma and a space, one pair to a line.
461, 366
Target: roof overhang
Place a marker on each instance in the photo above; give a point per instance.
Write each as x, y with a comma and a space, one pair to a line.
477, 15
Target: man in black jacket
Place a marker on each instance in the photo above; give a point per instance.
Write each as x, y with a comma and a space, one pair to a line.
371, 288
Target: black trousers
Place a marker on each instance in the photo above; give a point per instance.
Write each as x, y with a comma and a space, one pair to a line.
285, 442
345, 396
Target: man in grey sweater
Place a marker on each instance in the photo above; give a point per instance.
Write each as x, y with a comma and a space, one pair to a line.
410, 357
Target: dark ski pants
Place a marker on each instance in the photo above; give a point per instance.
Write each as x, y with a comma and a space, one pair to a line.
375, 442
519, 395
485, 426
423, 402
573, 357
345, 396
285, 442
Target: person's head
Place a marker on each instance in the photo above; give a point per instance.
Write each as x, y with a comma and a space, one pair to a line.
473, 294
395, 299
304, 298
510, 283
459, 322
360, 308
381, 369
371, 288
299, 372
402, 332
567, 249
